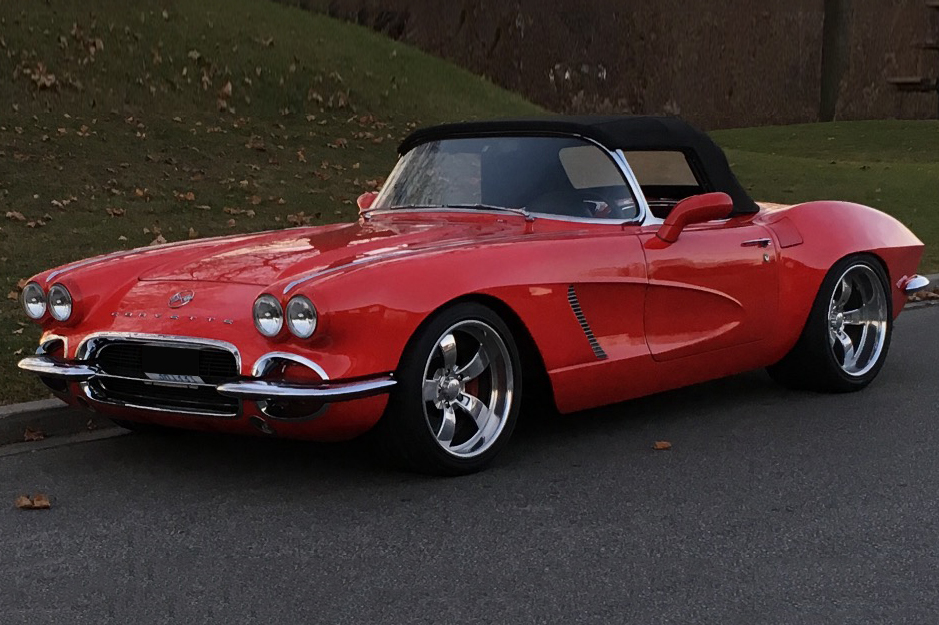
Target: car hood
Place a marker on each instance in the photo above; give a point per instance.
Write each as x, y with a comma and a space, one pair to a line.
268, 257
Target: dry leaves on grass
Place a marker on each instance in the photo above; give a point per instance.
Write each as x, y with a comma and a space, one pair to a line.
39, 501
15, 216
661, 446
160, 240
32, 436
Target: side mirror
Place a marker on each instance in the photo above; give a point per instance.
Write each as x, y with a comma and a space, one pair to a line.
694, 210
366, 200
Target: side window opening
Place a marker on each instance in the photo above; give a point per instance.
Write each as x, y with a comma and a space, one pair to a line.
665, 177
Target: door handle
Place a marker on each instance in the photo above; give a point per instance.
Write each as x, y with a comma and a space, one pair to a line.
757, 243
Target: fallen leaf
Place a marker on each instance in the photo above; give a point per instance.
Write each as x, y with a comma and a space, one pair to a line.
662, 446
41, 502
24, 503
122, 238
193, 234
13, 295
18, 331
31, 435
160, 240
115, 212
15, 215
231, 223
225, 91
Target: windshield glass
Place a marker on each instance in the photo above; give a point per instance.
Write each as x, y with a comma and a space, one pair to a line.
562, 176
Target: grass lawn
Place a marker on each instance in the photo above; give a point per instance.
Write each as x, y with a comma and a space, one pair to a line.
124, 123
890, 165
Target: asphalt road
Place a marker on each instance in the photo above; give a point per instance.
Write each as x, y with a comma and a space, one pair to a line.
772, 507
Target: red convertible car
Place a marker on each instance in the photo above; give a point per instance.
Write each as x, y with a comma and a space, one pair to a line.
582, 261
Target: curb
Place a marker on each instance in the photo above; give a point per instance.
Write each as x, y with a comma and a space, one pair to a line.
53, 417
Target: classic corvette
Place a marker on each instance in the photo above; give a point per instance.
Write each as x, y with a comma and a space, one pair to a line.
576, 261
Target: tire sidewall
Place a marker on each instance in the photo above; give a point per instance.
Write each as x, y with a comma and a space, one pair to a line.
819, 334
405, 412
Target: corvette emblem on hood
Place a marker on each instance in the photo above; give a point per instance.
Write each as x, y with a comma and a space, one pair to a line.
178, 300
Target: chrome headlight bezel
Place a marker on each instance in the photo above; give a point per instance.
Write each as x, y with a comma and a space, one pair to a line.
302, 317
268, 315
33, 296
59, 302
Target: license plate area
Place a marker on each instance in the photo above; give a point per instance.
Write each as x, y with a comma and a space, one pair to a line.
172, 365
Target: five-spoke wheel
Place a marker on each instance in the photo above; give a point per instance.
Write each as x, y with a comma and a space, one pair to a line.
846, 337
857, 320
457, 399
467, 399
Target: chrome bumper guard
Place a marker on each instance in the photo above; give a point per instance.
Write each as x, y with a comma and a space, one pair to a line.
915, 284
45, 366
244, 389
329, 392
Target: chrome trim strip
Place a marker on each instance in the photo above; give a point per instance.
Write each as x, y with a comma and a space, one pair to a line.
261, 366
757, 243
915, 284
620, 159
151, 382
342, 391
582, 320
48, 339
45, 366
89, 394
88, 342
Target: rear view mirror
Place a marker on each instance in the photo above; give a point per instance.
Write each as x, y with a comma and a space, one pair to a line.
693, 210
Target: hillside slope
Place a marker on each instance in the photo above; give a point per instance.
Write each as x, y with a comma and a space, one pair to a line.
124, 123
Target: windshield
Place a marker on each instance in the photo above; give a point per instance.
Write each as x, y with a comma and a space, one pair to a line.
562, 176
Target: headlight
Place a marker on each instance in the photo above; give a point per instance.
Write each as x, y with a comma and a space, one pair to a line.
34, 301
60, 303
268, 315
301, 317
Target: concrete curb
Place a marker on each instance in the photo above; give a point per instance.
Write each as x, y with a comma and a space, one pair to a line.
55, 418
52, 417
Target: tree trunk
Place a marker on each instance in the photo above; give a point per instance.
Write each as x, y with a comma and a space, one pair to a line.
834, 56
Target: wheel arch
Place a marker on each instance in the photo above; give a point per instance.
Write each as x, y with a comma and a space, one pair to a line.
534, 370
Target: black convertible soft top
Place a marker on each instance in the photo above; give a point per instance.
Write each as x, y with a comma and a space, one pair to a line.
621, 132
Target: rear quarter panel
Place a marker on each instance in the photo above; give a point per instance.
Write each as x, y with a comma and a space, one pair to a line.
830, 231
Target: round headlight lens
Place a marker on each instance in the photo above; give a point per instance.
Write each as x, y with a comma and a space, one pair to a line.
60, 303
268, 315
34, 301
301, 317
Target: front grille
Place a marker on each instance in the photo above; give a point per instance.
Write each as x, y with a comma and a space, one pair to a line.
164, 375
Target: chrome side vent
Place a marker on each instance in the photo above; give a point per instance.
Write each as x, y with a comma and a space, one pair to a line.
582, 320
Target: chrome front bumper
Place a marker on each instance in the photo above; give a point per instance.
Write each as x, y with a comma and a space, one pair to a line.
249, 388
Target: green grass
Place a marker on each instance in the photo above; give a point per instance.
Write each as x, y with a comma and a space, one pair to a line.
890, 165
106, 157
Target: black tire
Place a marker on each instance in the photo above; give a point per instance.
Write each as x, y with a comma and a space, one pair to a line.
149, 429
818, 361
408, 432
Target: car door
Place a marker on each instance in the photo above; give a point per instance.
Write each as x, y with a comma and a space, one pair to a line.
715, 287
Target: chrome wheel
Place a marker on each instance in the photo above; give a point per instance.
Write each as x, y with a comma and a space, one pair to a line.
468, 388
857, 320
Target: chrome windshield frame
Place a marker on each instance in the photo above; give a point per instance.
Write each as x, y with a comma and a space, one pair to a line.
617, 156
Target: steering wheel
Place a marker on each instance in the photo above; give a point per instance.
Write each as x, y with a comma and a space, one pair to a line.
598, 206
